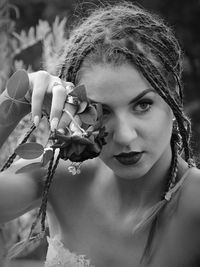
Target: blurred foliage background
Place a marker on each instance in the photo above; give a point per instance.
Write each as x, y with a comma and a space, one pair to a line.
33, 31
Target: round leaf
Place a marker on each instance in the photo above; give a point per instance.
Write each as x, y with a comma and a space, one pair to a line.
89, 116
8, 112
29, 150
30, 167
80, 92
18, 84
82, 107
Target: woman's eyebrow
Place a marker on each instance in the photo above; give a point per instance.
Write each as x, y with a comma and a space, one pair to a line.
135, 99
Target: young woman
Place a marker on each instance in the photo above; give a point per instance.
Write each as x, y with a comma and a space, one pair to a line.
136, 204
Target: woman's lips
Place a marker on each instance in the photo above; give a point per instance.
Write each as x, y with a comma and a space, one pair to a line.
128, 158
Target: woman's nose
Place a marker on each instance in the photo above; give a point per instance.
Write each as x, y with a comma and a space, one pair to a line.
124, 131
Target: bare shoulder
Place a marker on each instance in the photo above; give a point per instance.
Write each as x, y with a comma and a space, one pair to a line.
188, 212
20, 191
190, 197
87, 169
63, 179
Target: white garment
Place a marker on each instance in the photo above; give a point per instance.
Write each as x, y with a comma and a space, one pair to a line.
59, 256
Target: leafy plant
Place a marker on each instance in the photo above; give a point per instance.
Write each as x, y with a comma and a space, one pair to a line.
78, 143
11, 46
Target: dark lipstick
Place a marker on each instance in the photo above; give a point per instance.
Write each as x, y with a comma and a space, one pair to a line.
128, 158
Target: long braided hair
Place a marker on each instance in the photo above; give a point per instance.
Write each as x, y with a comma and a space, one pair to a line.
126, 33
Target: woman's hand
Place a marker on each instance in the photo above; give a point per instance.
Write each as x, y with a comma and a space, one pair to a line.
48, 93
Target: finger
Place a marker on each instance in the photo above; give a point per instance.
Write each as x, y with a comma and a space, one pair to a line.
69, 112
58, 100
38, 82
37, 101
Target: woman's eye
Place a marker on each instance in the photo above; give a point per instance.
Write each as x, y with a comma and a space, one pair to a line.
143, 105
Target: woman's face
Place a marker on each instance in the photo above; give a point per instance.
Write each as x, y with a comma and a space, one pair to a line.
138, 121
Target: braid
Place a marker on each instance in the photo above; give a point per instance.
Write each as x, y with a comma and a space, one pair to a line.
75, 57
174, 164
48, 182
161, 52
173, 178
74, 67
44, 197
32, 240
13, 156
43, 207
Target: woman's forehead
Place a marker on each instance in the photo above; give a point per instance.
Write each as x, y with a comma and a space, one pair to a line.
108, 81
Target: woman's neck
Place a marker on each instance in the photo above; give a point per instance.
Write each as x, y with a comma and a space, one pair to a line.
142, 193
125, 201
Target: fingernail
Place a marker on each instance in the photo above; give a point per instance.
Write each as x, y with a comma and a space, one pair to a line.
61, 131
54, 123
36, 120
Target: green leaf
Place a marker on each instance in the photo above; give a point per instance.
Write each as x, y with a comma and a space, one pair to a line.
80, 92
82, 107
47, 156
29, 150
18, 84
8, 112
30, 167
89, 116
